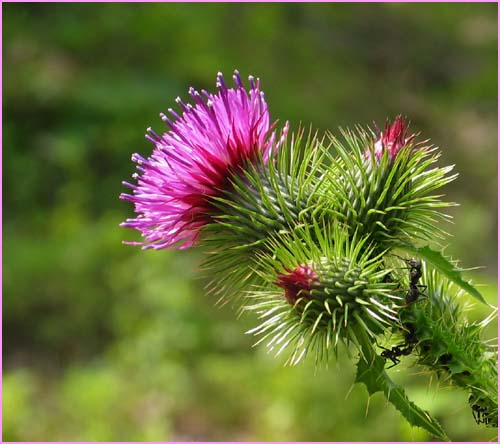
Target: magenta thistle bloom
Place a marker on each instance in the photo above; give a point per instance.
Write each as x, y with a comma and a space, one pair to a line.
393, 138
297, 283
194, 161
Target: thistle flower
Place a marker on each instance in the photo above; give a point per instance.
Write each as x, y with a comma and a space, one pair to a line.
313, 237
195, 161
392, 139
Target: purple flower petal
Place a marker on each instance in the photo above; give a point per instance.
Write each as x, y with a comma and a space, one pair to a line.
193, 162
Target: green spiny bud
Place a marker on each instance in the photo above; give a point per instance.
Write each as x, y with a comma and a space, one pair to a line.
382, 187
323, 289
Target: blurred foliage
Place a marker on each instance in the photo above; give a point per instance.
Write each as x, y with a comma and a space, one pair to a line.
105, 342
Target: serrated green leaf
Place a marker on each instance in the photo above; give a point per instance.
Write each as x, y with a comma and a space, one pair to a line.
444, 266
371, 372
376, 379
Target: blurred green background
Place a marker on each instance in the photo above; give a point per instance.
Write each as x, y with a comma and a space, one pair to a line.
106, 342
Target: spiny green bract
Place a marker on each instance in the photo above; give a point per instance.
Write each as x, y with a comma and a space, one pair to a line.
349, 292
387, 199
271, 198
451, 346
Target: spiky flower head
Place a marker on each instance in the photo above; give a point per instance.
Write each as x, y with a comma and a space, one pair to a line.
321, 287
392, 139
388, 195
195, 160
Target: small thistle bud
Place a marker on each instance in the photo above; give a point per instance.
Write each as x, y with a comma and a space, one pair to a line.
297, 283
341, 289
385, 192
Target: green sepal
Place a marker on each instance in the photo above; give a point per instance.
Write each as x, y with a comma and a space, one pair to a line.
445, 267
371, 373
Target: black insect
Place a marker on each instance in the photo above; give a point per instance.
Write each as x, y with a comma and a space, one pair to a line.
445, 358
481, 415
404, 349
414, 291
395, 352
415, 269
410, 333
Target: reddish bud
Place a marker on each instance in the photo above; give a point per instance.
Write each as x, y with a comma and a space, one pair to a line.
297, 283
392, 139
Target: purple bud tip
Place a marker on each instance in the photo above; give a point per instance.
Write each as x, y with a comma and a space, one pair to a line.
171, 111
167, 120
137, 158
150, 132
251, 81
237, 79
220, 83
